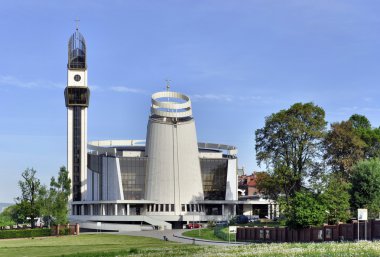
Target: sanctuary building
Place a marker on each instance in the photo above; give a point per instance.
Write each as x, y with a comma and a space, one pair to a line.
167, 180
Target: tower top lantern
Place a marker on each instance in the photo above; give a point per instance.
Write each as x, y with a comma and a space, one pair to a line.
77, 51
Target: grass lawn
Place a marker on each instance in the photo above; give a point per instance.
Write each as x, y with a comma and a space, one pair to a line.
65, 245
107, 245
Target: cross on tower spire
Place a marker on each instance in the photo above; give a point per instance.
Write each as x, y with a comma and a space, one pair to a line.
77, 23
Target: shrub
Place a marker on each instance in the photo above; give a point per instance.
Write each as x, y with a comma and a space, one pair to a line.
222, 233
20, 233
211, 224
305, 210
64, 231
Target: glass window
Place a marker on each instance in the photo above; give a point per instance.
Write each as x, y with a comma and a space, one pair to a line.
133, 177
214, 178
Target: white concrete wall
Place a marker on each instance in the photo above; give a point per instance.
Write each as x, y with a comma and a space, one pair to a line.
133, 154
89, 185
210, 155
71, 81
173, 168
70, 148
84, 154
111, 179
231, 185
96, 186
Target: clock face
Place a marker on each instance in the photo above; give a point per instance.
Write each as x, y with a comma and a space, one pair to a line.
77, 77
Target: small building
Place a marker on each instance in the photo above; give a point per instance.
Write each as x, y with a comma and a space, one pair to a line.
260, 206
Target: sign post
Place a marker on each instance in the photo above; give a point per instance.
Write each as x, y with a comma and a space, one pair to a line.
99, 225
231, 230
363, 215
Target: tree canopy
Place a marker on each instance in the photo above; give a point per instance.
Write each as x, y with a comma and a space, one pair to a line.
304, 210
28, 202
365, 191
37, 200
290, 144
344, 148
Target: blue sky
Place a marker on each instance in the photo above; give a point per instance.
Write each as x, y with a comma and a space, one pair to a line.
238, 60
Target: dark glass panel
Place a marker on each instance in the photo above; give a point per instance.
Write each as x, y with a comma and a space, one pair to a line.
133, 177
77, 96
214, 178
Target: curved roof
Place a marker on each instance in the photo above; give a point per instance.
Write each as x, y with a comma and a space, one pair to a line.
77, 51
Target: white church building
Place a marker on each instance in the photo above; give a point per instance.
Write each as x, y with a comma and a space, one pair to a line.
167, 180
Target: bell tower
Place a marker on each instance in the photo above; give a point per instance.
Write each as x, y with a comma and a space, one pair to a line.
77, 97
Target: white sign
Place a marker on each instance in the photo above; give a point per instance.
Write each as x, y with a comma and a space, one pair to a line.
98, 224
362, 214
232, 229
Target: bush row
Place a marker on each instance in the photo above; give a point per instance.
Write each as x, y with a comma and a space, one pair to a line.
20, 233
222, 232
64, 231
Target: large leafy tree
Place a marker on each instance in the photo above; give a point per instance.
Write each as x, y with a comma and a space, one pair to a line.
360, 121
371, 136
267, 185
28, 203
290, 144
365, 191
336, 198
344, 148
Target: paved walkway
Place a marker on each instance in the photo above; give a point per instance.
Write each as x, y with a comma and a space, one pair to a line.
175, 235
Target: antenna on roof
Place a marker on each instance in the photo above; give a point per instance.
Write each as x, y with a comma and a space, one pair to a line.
167, 84
77, 23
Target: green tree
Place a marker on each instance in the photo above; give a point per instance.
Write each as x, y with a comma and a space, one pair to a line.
360, 121
336, 198
304, 210
371, 136
365, 191
59, 195
28, 204
266, 184
343, 148
6, 216
290, 144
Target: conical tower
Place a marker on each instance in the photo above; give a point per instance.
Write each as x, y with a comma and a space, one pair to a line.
173, 175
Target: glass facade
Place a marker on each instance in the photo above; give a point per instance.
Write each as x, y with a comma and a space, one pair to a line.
133, 177
214, 178
133, 173
77, 51
76, 153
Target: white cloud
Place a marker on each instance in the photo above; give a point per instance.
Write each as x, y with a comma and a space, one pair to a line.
222, 98
230, 98
122, 89
12, 81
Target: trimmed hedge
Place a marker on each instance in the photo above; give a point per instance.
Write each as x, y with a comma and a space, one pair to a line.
20, 233
222, 232
64, 231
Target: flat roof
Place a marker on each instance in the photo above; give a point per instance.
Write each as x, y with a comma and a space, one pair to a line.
141, 148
